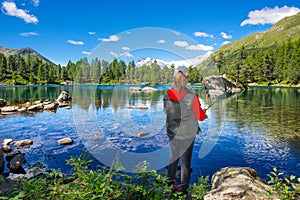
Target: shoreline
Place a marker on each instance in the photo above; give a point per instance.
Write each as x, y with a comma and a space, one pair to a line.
195, 84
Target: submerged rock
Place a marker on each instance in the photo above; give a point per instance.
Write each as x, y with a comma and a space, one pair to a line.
142, 107
237, 183
65, 141
96, 137
11, 155
141, 134
16, 162
22, 143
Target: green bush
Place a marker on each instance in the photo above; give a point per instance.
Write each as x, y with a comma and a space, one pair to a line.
286, 188
105, 183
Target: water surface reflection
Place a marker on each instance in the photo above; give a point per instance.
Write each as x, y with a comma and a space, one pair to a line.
257, 128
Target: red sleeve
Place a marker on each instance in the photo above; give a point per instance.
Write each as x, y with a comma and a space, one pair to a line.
196, 107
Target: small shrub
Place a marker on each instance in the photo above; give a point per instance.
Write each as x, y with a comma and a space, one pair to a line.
199, 190
286, 188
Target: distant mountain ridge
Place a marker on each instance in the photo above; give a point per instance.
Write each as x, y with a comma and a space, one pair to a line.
23, 52
189, 62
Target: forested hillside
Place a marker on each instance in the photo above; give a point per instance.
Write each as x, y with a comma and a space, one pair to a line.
272, 57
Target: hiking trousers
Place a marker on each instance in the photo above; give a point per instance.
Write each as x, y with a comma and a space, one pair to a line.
181, 150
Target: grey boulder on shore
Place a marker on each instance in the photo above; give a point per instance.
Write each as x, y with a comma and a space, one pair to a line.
220, 85
236, 183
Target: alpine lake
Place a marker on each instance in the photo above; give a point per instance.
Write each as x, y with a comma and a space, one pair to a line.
257, 128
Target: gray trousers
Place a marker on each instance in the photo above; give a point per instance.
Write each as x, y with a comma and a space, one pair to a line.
181, 150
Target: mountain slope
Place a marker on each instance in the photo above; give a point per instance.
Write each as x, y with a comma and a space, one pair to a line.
23, 52
286, 29
283, 30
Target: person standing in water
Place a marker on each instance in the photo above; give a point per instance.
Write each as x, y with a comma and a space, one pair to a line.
183, 111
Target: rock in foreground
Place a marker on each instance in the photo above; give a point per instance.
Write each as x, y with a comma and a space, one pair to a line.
16, 162
236, 183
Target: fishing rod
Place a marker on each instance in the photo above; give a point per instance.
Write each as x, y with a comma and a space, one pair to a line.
221, 97
210, 105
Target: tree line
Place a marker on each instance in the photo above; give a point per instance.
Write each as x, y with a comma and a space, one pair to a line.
277, 64
22, 70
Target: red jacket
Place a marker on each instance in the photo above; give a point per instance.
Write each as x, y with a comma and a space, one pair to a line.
196, 105
183, 111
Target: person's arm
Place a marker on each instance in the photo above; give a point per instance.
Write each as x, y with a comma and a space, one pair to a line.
199, 113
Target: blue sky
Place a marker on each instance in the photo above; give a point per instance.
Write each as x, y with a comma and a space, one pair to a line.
64, 30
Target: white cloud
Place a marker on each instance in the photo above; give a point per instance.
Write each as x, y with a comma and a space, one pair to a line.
124, 54
225, 42
10, 8
181, 43
225, 36
112, 38
269, 15
36, 2
25, 34
203, 34
92, 33
161, 41
86, 52
114, 54
200, 47
127, 54
125, 48
75, 42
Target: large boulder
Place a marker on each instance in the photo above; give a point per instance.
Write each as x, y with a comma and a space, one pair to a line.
9, 109
219, 85
236, 183
63, 97
16, 162
11, 155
